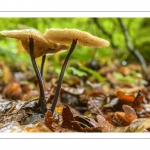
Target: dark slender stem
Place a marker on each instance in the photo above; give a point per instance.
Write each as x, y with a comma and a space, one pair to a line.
61, 75
38, 75
42, 64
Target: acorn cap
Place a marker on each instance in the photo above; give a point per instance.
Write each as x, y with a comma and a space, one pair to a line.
65, 36
42, 46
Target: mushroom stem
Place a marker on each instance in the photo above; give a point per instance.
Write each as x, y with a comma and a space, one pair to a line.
74, 42
42, 64
38, 75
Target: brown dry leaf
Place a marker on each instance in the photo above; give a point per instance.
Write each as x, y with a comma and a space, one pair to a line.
129, 113
125, 118
139, 125
57, 128
125, 98
104, 124
120, 118
13, 91
39, 127
68, 119
124, 70
86, 122
137, 104
49, 119
74, 91
30, 95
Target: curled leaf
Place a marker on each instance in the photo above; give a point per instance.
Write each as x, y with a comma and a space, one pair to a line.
104, 124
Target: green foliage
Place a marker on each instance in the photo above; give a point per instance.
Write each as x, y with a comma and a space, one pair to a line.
92, 72
109, 29
77, 72
128, 79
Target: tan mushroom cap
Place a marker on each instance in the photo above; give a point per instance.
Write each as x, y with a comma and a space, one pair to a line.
65, 36
42, 45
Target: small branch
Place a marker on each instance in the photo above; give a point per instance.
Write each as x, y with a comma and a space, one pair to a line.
135, 52
104, 32
99, 111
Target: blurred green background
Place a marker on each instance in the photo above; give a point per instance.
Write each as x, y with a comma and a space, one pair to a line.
107, 28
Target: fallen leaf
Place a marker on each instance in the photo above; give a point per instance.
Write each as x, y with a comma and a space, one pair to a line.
139, 125
104, 124
68, 119
13, 91
49, 119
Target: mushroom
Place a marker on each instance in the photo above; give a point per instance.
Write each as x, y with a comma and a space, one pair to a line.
36, 45
42, 45
74, 36
65, 36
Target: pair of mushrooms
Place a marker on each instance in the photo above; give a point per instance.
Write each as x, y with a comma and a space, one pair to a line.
52, 41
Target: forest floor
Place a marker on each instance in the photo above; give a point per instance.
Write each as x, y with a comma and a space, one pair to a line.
121, 103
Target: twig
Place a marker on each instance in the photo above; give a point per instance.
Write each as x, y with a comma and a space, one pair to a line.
6, 106
50, 93
135, 52
105, 32
96, 107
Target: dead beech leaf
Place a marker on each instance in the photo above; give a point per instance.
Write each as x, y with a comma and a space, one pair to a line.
68, 119
139, 125
125, 118
39, 127
120, 118
104, 124
129, 113
137, 104
13, 91
57, 128
86, 122
124, 97
74, 91
49, 119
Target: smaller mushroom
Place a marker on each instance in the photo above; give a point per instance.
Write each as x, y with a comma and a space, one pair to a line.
42, 45
74, 36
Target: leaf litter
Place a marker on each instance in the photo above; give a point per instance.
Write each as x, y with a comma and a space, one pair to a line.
113, 105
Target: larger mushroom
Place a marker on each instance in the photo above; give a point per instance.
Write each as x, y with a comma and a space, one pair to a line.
74, 36
36, 45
